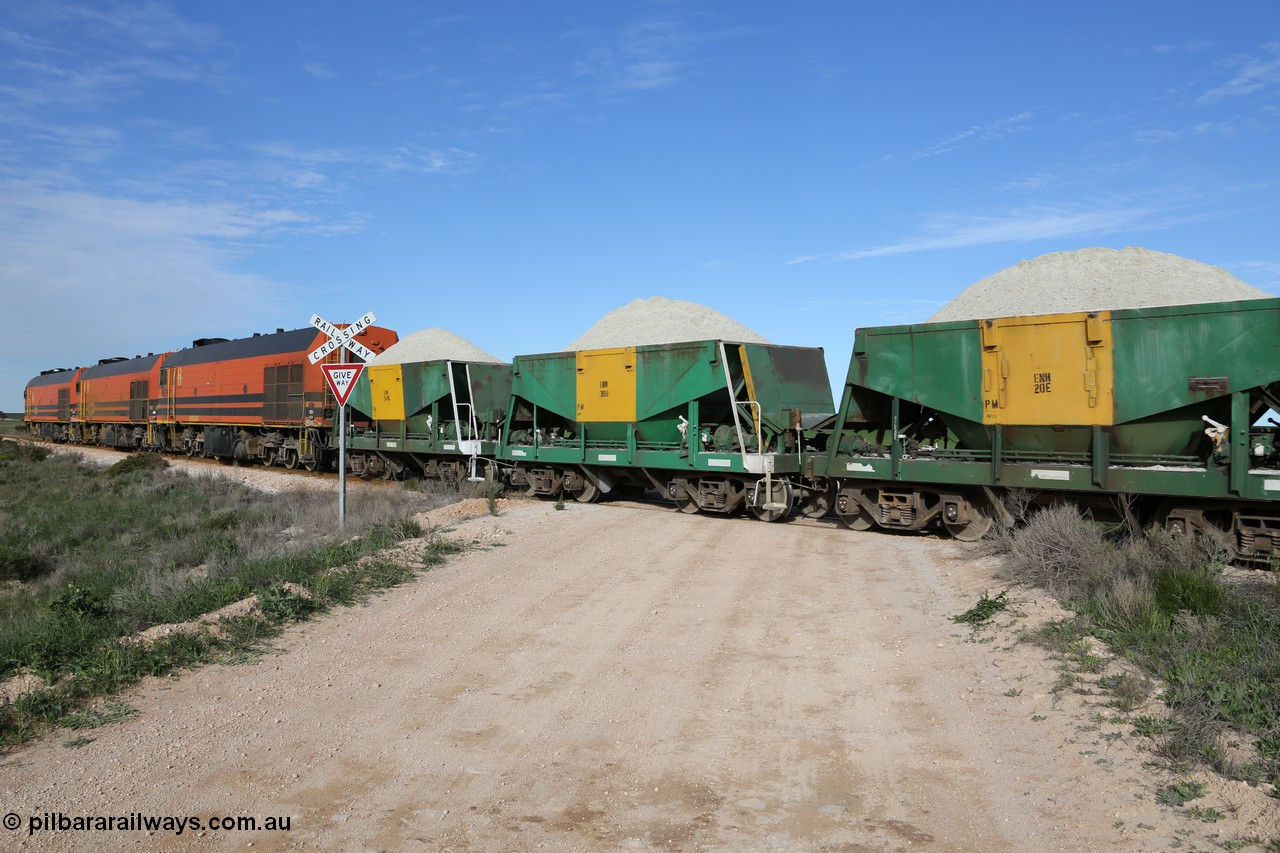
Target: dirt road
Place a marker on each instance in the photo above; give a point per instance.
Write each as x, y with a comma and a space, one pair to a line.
628, 677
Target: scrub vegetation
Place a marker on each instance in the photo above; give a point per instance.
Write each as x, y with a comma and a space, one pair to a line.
91, 557
1197, 642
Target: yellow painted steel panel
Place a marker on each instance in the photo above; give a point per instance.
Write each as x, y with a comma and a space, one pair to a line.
386, 385
1048, 370
607, 385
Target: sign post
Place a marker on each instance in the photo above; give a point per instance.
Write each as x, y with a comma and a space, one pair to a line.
341, 379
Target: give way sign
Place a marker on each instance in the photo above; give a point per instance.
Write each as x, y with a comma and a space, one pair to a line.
341, 378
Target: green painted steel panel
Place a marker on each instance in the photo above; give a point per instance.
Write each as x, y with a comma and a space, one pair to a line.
491, 391
547, 380
1184, 355
934, 364
361, 397
668, 377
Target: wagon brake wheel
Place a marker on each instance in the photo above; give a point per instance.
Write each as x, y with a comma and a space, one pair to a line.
775, 500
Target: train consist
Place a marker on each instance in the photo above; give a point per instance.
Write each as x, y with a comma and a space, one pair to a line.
256, 398
937, 421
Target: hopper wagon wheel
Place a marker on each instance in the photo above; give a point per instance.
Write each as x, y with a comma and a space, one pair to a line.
290, 458
851, 512
978, 525
588, 494
686, 502
773, 499
816, 503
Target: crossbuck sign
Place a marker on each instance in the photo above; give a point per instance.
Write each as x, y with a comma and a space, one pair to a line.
341, 337
341, 379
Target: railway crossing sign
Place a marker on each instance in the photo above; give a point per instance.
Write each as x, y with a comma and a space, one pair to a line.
341, 378
339, 338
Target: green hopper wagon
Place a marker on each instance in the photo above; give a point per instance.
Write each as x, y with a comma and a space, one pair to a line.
440, 419
715, 425
1161, 405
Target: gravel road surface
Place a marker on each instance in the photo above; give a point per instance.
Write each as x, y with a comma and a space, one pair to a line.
625, 677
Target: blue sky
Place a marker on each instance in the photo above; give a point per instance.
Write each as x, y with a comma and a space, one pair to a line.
513, 171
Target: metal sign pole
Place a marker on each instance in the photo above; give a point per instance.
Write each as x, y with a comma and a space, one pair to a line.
344, 341
342, 465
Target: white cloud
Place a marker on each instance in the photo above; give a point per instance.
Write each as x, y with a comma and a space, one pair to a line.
962, 230
318, 70
1264, 274
1155, 136
1252, 74
95, 276
980, 134
430, 161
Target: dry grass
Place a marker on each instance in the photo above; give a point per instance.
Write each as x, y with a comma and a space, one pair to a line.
1160, 601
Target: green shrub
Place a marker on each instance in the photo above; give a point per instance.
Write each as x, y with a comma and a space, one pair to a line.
76, 601
1192, 590
138, 462
17, 564
1180, 793
280, 604
12, 451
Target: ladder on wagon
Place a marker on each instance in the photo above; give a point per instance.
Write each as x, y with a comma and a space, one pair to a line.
468, 439
758, 461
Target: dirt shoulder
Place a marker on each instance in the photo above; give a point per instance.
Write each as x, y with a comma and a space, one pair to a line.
629, 677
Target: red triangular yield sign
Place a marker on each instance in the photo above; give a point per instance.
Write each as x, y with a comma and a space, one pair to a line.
341, 379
